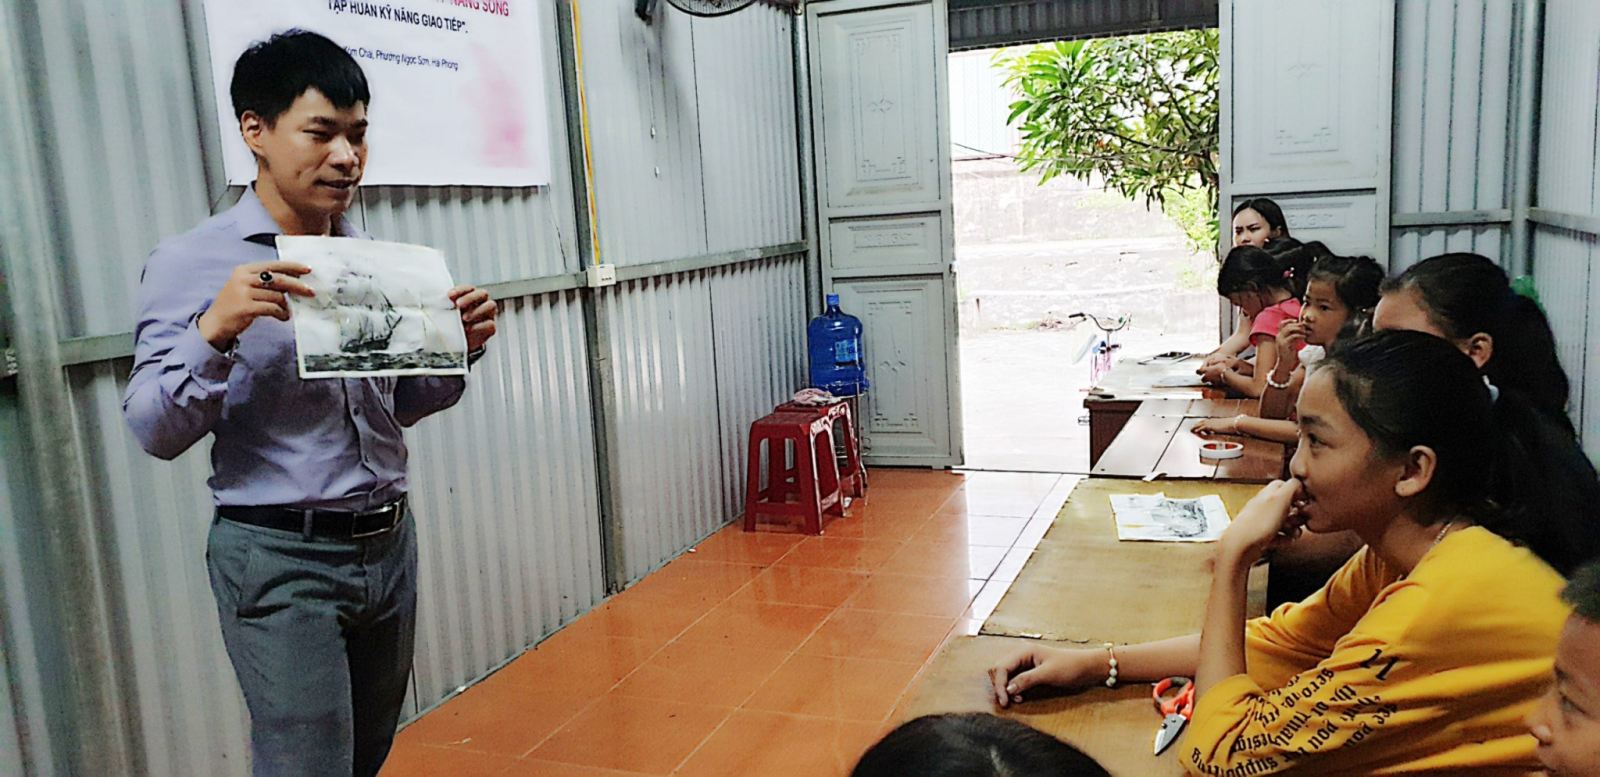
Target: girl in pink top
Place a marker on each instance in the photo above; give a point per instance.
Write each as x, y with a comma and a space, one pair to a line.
1267, 289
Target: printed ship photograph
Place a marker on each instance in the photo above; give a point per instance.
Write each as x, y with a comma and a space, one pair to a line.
379, 309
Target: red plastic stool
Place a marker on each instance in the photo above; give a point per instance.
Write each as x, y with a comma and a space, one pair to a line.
813, 480
853, 477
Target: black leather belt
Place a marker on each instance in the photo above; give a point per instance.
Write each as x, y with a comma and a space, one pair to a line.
327, 524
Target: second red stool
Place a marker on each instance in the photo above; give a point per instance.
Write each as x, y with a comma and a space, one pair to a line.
813, 479
852, 476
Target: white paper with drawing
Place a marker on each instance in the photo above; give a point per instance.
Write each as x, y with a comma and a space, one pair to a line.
1156, 518
381, 309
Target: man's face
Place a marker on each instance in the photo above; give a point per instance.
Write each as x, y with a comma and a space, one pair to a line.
314, 153
1567, 720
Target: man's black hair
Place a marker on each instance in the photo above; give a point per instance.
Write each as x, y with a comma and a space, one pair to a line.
273, 73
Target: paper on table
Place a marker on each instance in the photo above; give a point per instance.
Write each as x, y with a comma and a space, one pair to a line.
381, 309
1155, 518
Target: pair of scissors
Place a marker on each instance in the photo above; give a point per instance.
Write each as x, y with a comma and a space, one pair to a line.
1175, 709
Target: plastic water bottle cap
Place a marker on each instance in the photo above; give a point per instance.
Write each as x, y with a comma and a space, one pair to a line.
833, 299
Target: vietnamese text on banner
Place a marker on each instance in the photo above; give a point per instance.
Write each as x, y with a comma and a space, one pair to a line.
458, 92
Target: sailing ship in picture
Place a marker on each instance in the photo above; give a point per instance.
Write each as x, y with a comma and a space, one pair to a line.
380, 309
367, 319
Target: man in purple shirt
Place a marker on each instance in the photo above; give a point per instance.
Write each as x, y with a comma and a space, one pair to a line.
312, 553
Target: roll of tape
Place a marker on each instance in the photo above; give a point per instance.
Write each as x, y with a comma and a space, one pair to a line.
1221, 450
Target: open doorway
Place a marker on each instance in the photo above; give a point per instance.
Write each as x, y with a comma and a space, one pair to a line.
1038, 264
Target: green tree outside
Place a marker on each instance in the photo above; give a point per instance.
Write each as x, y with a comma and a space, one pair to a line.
1140, 111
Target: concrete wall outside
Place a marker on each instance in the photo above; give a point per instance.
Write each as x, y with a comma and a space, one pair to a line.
1029, 255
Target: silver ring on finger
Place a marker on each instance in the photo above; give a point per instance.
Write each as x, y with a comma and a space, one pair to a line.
266, 279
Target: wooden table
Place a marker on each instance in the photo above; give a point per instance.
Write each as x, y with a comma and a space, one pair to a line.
1123, 390
1115, 727
1170, 407
1084, 585
1159, 440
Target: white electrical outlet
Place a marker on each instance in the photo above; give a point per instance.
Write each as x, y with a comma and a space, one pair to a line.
602, 275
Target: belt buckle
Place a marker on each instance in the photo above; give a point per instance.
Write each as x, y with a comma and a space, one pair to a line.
397, 507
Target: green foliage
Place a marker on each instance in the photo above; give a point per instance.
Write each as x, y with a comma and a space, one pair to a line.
1140, 111
1194, 211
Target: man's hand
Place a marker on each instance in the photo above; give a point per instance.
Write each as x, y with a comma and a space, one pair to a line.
477, 314
252, 291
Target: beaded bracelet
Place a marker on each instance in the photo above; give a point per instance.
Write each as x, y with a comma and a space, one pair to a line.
1111, 678
1280, 386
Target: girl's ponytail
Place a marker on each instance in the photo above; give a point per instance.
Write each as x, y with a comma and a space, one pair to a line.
1296, 261
1525, 356
1544, 491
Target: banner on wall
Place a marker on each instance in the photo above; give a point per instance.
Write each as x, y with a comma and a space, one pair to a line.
457, 85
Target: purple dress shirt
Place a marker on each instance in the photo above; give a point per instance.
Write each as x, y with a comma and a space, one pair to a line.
329, 443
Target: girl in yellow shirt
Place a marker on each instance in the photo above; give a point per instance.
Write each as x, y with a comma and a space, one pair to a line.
1424, 652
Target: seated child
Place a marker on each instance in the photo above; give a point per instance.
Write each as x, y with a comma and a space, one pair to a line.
1567, 722
1266, 288
1340, 294
973, 745
1468, 300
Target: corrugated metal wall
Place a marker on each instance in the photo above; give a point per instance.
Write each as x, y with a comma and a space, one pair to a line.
694, 131
1567, 125
1565, 242
699, 357
1410, 245
1459, 89
506, 500
23, 733
117, 107
1562, 261
744, 71
694, 154
10, 740
759, 354
152, 528
491, 235
978, 24
670, 445
644, 134
1453, 116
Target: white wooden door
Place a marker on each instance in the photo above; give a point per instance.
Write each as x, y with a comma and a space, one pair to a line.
885, 234
1306, 104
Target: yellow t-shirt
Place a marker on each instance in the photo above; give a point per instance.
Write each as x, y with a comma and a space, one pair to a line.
1379, 674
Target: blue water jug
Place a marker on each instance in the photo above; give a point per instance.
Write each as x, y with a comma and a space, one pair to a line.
838, 365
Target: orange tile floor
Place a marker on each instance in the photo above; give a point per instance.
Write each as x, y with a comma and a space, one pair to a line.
757, 655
